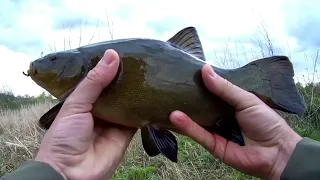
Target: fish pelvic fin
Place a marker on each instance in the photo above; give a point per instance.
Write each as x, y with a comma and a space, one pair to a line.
229, 129
271, 80
47, 119
157, 140
188, 40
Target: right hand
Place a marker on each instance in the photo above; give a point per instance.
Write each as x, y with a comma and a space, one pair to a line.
268, 138
79, 146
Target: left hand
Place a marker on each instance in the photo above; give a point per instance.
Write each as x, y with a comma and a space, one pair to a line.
76, 145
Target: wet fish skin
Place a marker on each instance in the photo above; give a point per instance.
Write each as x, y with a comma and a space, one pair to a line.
156, 78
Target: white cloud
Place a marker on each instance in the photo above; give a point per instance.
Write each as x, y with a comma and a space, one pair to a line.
30, 27
12, 64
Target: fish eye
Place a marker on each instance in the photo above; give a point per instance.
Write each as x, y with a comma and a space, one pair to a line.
53, 58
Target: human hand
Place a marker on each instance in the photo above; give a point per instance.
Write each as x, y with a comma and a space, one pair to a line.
77, 146
269, 140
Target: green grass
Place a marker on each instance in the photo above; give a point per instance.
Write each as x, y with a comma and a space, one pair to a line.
194, 162
20, 138
9, 101
137, 173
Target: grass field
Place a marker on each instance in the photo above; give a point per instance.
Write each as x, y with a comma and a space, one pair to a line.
20, 138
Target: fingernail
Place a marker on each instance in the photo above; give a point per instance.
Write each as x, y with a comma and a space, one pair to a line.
211, 71
178, 120
109, 57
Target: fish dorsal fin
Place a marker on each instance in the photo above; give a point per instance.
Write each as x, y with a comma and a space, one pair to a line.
188, 40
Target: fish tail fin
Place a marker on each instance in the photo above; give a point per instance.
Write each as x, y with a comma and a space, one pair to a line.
271, 80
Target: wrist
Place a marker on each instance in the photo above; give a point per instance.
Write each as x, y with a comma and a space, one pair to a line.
285, 151
51, 163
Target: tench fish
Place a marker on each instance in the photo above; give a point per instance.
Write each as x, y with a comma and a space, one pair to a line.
157, 77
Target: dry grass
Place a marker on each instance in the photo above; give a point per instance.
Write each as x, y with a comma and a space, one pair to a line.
20, 138
19, 135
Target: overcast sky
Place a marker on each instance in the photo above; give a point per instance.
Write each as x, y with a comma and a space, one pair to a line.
28, 28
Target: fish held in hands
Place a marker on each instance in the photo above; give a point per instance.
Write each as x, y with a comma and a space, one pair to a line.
157, 77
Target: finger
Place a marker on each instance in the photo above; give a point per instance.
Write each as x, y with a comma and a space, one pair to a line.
229, 92
212, 142
96, 80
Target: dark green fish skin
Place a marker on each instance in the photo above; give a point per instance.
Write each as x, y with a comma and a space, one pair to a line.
157, 77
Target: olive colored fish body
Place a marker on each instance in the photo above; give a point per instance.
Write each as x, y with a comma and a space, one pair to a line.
156, 78
152, 83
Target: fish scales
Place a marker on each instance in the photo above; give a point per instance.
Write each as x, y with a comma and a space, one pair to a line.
157, 77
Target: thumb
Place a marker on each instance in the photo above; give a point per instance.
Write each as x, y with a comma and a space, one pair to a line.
232, 94
87, 92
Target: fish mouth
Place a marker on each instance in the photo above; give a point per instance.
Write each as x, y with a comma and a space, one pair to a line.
32, 70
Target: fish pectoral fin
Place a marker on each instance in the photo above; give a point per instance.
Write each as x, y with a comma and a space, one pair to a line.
47, 119
188, 40
148, 143
229, 129
158, 140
